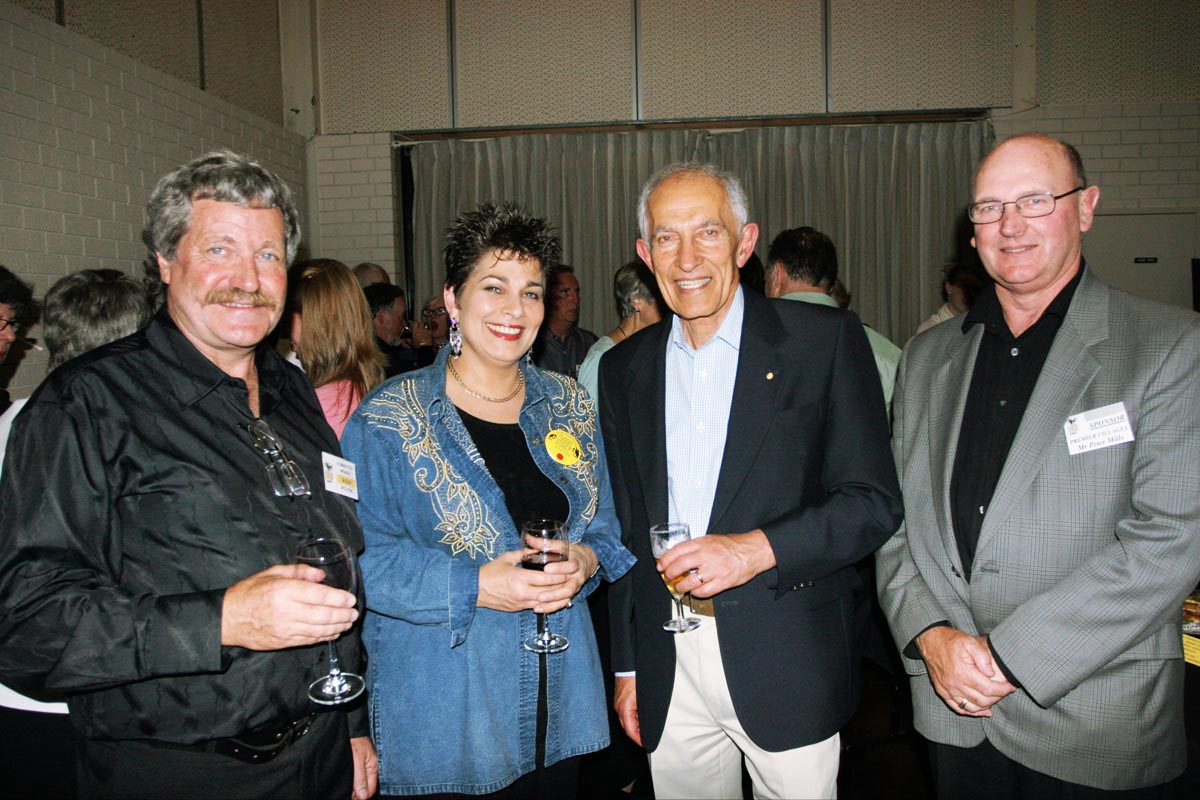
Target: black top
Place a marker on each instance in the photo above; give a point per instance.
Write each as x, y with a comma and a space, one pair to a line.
132, 498
528, 493
562, 355
399, 359
1006, 371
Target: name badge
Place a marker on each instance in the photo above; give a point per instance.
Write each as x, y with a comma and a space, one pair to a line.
341, 477
1100, 427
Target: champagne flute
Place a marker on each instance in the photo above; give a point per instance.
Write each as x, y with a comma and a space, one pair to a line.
545, 543
662, 539
334, 558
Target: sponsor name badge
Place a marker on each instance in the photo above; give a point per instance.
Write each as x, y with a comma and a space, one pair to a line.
1100, 427
340, 475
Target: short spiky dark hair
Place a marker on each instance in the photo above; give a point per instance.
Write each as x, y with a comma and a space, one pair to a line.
504, 229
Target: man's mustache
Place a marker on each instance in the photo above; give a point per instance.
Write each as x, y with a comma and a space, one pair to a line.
239, 297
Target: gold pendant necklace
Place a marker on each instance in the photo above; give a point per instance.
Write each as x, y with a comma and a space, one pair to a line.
479, 395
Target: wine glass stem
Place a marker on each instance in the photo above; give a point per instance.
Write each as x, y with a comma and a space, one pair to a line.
679, 607
541, 634
335, 667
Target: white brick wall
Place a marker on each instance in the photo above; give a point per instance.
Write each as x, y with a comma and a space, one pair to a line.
356, 200
1142, 155
85, 132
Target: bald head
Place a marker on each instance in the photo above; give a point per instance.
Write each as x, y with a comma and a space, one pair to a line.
1070, 155
1034, 247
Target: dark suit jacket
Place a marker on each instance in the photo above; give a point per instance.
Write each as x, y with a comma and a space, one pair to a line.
807, 460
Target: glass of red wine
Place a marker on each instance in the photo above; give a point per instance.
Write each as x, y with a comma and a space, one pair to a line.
545, 543
334, 558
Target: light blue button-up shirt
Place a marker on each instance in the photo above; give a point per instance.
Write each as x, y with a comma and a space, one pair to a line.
699, 386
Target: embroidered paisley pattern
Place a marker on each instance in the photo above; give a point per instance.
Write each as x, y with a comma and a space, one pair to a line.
572, 410
465, 524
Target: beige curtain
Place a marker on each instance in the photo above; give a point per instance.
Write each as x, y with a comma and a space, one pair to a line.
891, 197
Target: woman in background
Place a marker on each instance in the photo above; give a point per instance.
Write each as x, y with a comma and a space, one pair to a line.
452, 460
638, 305
332, 334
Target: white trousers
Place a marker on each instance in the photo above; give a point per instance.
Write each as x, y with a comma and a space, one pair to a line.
702, 746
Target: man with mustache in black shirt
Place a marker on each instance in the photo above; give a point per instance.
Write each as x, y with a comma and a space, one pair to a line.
148, 538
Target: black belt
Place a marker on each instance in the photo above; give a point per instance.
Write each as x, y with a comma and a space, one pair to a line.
257, 747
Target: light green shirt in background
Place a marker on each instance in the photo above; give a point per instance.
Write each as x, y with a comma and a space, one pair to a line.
887, 355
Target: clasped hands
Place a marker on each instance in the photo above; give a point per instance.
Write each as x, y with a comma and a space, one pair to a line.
962, 670
505, 586
720, 562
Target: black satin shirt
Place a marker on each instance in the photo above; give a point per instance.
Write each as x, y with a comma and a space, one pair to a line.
131, 499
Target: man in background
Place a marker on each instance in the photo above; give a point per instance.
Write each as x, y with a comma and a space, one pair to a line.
16, 305
1048, 446
561, 344
368, 274
803, 267
81, 311
388, 317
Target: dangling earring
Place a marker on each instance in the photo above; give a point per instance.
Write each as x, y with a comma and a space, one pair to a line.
455, 338
529, 357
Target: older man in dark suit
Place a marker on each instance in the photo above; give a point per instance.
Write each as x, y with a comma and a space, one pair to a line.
761, 424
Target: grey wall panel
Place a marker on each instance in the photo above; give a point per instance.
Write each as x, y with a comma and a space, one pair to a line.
384, 65
715, 58
938, 54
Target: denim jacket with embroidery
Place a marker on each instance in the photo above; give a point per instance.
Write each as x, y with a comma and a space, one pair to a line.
452, 693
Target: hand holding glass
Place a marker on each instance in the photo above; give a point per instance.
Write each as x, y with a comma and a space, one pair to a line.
662, 539
341, 572
545, 543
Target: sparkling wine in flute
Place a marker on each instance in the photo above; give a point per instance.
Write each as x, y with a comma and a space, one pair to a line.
662, 539
671, 585
545, 543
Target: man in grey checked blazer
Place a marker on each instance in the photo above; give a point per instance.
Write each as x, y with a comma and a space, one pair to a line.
1035, 586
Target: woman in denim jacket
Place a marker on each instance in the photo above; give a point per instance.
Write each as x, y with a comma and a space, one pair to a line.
451, 461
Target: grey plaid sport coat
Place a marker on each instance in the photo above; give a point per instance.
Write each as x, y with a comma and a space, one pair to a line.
1083, 560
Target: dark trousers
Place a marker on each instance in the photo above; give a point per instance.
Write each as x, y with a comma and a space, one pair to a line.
984, 773
318, 766
37, 755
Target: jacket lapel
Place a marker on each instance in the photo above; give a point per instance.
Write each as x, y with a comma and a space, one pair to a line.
1068, 371
947, 399
761, 372
646, 406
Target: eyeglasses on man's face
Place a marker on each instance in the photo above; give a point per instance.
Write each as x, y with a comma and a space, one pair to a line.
285, 475
5, 324
1035, 204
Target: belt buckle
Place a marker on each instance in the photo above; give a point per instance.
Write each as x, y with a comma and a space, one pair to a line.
702, 606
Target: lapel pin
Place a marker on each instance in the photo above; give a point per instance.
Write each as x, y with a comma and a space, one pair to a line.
770, 376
